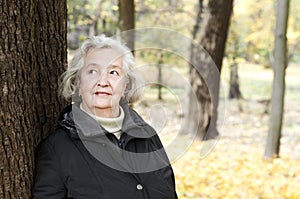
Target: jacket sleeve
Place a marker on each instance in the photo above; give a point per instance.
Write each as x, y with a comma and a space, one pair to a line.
168, 172
48, 183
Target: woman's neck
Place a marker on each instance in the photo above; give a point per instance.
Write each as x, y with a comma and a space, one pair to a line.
104, 112
112, 125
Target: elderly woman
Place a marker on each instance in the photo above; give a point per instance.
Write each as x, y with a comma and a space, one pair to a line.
101, 148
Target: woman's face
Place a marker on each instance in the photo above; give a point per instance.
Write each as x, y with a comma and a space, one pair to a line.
102, 82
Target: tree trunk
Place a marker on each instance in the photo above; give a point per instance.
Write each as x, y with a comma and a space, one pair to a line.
127, 21
97, 18
233, 52
280, 64
205, 69
32, 56
234, 87
159, 74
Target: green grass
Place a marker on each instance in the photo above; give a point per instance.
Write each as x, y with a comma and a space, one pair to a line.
256, 81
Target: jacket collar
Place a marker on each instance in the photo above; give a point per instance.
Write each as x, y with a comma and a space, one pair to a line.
80, 125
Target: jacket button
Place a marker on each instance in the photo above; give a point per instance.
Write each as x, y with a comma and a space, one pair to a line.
139, 187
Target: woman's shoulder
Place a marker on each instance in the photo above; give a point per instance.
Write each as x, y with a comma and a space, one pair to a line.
58, 140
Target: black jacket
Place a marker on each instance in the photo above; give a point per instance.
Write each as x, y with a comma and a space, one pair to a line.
75, 163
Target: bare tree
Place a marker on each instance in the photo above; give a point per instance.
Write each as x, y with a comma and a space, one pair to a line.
127, 21
33, 53
211, 34
234, 90
280, 64
232, 54
160, 57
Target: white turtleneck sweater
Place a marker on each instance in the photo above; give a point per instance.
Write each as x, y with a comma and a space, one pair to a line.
112, 125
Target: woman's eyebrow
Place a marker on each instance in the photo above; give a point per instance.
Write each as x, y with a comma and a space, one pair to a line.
91, 64
115, 66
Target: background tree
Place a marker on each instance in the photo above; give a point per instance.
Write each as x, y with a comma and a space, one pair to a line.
258, 31
32, 56
232, 53
97, 18
234, 86
280, 64
255, 26
90, 17
81, 21
175, 14
211, 35
293, 33
160, 58
127, 21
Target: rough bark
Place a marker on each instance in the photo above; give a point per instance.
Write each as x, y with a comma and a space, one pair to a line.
212, 36
32, 56
280, 64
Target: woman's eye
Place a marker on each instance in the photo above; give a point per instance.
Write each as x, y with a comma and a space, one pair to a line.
114, 72
92, 71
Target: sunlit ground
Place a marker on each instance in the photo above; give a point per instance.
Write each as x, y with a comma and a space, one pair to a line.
236, 168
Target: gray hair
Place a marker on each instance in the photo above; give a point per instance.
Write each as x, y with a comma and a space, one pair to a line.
68, 85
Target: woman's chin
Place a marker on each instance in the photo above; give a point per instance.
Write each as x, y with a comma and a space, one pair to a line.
103, 106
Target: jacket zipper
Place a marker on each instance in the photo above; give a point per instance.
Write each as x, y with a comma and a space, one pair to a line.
121, 141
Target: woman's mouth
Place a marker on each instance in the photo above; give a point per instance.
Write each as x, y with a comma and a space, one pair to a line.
102, 93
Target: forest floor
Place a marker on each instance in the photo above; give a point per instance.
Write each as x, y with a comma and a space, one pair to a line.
233, 166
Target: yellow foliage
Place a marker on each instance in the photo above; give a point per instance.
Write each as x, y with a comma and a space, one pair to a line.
232, 171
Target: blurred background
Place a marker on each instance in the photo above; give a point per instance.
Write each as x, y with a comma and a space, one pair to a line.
222, 82
235, 151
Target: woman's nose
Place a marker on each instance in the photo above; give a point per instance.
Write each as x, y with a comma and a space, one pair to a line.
103, 80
